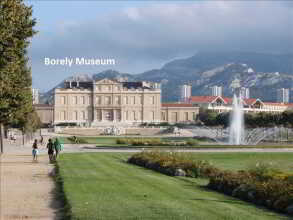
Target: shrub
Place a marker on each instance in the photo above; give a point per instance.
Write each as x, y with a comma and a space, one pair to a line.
191, 142
261, 184
169, 162
250, 186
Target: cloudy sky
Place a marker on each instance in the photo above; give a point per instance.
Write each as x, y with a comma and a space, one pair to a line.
143, 35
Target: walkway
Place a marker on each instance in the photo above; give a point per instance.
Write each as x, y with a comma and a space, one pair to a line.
27, 188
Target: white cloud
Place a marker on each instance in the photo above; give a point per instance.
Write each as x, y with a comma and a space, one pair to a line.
140, 38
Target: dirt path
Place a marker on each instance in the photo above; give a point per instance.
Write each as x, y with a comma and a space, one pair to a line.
27, 188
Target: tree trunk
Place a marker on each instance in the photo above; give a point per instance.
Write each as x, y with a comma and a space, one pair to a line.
22, 137
1, 139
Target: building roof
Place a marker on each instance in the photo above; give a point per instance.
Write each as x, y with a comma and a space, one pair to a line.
275, 104
176, 105
134, 85
229, 100
203, 99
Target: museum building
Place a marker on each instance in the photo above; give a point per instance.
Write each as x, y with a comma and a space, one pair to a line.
106, 101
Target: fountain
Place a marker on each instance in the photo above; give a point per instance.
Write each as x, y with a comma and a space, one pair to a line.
236, 136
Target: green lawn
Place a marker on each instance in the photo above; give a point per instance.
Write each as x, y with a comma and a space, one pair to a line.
104, 186
111, 143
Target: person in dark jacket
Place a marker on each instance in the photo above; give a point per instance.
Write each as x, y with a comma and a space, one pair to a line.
50, 147
57, 147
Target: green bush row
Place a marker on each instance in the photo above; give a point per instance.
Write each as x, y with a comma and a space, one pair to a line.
274, 193
170, 162
261, 184
154, 142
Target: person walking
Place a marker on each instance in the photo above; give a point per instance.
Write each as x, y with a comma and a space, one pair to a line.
41, 140
57, 147
50, 147
35, 150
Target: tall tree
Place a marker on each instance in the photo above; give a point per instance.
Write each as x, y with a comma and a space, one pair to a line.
16, 25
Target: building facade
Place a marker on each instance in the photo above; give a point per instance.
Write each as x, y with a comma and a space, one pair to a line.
36, 97
185, 92
216, 91
178, 113
244, 93
283, 95
107, 101
45, 113
224, 104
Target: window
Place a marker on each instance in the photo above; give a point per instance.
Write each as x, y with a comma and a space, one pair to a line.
152, 100
75, 115
62, 100
140, 100
82, 100
153, 115
126, 115
74, 100
99, 115
186, 116
134, 116
98, 100
132, 100
63, 115
163, 116
118, 116
126, 100
83, 115
193, 116
117, 100
174, 117
108, 100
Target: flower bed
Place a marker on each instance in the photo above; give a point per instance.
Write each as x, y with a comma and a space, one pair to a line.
274, 193
154, 142
173, 164
262, 184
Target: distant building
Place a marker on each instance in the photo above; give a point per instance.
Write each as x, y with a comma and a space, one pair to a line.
36, 97
225, 104
178, 112
216, 90
185, 92
107, 102
45, 113
283, 95
244, 93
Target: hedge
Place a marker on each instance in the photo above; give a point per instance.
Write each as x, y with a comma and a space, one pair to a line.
262, 184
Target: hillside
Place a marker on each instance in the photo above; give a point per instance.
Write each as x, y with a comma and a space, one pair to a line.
262, 73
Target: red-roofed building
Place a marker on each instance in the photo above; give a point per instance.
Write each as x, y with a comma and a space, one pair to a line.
224, 104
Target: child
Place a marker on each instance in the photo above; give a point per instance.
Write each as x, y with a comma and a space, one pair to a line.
35, 150
50, 147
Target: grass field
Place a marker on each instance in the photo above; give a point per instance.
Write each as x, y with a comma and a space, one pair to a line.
111, 143
104, 186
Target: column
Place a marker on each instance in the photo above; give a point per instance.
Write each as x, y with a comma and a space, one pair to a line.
114, 115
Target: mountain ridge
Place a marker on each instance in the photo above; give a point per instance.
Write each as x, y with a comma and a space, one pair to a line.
258, 71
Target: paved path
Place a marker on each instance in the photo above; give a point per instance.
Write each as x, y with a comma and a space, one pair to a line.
27, 187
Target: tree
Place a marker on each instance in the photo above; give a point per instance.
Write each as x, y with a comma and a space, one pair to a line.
16, 27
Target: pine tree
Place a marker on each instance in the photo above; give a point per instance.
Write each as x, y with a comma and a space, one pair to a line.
16, 25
